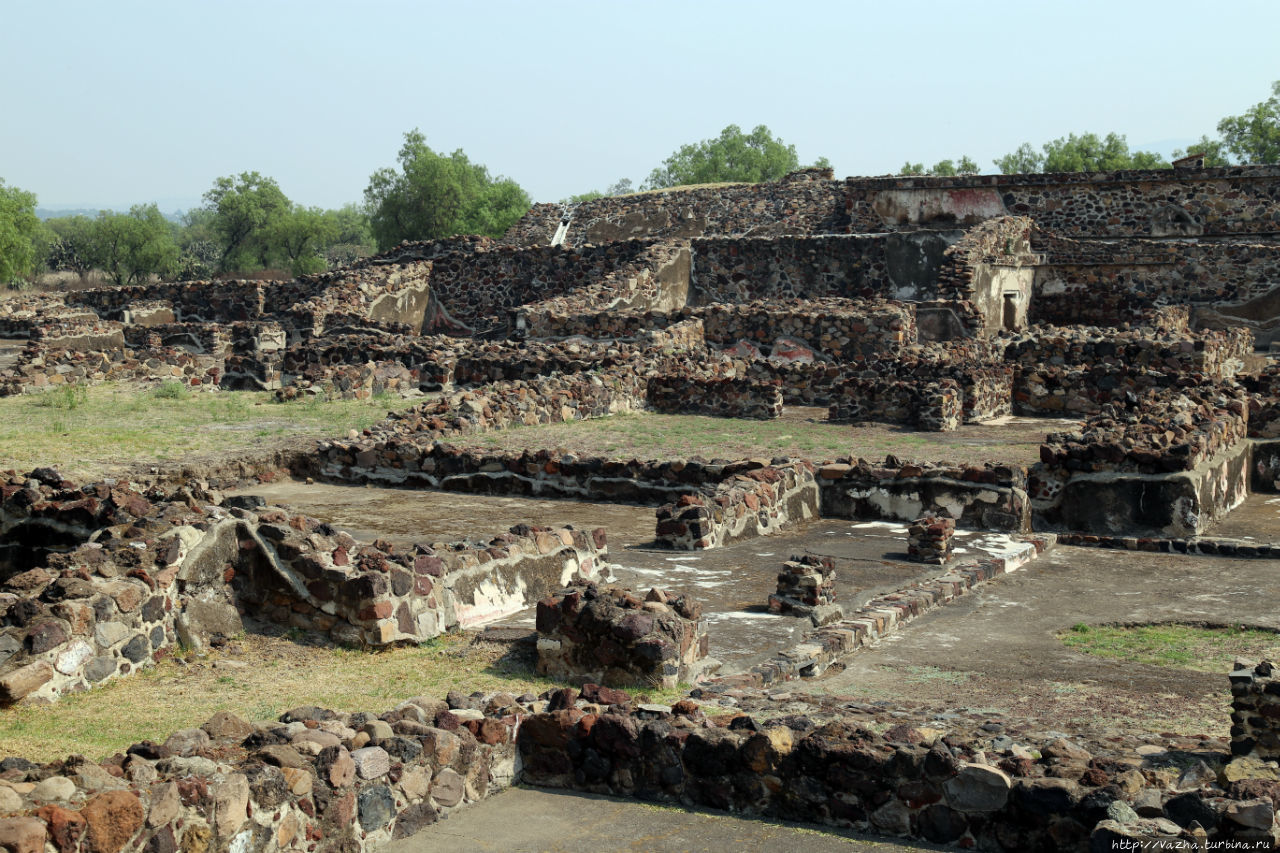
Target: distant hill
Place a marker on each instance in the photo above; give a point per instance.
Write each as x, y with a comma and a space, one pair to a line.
58, 213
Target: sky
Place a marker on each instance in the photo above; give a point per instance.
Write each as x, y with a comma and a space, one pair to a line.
105, 105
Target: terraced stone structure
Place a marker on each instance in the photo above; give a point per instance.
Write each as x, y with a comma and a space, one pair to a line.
921, 303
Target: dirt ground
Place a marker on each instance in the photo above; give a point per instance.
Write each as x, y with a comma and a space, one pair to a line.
999, 649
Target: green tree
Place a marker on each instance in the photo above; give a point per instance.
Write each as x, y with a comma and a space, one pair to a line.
943, 168
1214, 151
1085, 153
131, 247
732, 156
245, 208
301, 236
19, 232
433, 196
1254, 136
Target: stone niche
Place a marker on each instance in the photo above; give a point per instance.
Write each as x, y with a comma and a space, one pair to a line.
613, 637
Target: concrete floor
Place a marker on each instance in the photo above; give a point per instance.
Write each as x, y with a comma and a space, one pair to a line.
532, 820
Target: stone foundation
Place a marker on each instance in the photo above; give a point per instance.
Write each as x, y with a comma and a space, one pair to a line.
610, 636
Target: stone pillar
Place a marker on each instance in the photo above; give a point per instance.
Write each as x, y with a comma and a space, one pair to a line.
806, 587
1255, 711
929, 539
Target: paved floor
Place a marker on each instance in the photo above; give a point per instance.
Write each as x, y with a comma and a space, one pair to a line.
530, 820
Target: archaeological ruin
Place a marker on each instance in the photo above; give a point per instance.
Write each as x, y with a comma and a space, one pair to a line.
1134, 315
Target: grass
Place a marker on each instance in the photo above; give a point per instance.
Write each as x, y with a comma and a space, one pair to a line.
106, 429
1194, 647
258, 677
800, 432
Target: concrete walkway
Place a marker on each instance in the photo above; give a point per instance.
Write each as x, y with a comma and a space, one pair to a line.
532, 820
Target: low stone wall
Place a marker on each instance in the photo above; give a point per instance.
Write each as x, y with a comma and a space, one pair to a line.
546, 400
317, 780
1255, 707
204, 338
935, 406
1158, 433
612, 637
988, 498
1206, 355
1050, 794
40, 368
726, 398
79, 611
839, 329
1108, 502
754, 500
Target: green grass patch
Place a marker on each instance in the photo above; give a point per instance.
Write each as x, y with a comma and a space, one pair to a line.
100, 430
1194, 647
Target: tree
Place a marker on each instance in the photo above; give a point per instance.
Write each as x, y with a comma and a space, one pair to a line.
1254, 136
732, 156
1085, 153
433, 196
19, 230
944, 168
131, 247
302, 235
71, 247
245, 210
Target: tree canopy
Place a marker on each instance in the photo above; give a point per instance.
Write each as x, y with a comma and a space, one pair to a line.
131, 247
731, 156
433, 196
1085, 153
945, 168
246, 209
1251, 137
19, 234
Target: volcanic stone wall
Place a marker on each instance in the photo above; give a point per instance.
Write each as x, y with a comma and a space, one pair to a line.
683, 394
841, 330
39, 368
1165, 464
1116, 282
1232, 201
804, 202
751, 499
614, 638
992, 497
78, 609
316, 780
477, 293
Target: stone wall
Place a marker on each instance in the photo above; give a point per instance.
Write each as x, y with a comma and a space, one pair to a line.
40, 368
316, 780
1165, 464
1254, 711
79, 610
804, 202
615, 638
752, 499
678, 393
961, 790
993, 497
1234, 201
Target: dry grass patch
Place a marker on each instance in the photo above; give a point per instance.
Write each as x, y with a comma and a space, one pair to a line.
801, 431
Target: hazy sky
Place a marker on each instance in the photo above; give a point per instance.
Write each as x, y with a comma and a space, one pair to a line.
114, 103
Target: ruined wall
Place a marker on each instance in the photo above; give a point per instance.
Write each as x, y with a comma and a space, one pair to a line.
1233, 201
316, 780
752, 499
993, 497
478, 292
1112, 283
804, 202
1167, 463
682, 394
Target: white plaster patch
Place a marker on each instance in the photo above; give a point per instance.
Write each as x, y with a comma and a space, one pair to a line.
489, 601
